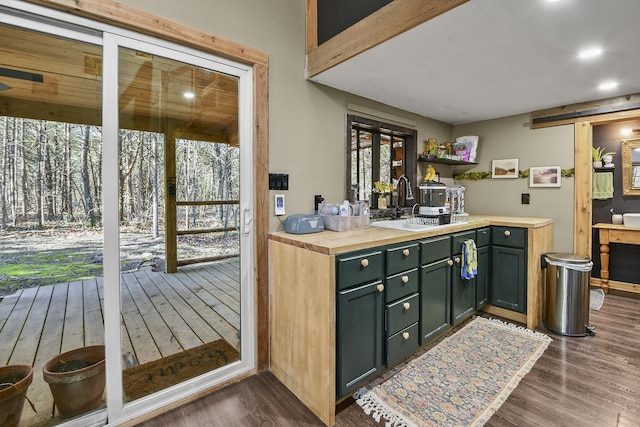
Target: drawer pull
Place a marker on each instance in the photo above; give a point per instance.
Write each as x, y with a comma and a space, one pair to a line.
456, 260
380, 287
405, 335
405, 279
364, 262
450, 262
405, 252
507, 233
406, 306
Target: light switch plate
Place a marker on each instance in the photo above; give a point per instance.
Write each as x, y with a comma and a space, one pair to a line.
279, 203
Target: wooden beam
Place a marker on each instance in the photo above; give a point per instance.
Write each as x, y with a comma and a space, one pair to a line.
583, 137
382, 25
603, 110
261, 209
312, 24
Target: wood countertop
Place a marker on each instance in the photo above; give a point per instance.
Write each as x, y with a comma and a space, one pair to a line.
334, 242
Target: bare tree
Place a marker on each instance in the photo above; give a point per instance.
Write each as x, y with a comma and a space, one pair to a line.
84, 173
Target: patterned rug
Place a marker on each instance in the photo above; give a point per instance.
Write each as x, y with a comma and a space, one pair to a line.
461, 381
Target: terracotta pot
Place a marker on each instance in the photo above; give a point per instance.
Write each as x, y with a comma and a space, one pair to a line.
77, 391
12, 398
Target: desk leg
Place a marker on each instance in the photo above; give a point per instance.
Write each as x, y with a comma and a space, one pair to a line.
604, 260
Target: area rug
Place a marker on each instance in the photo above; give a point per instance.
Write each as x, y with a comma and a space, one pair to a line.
461, 381
596, 299
142, 380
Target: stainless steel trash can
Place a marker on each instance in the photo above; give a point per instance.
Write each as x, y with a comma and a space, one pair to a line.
567, 294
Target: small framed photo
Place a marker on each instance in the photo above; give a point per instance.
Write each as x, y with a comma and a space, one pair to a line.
545, 176
504, 168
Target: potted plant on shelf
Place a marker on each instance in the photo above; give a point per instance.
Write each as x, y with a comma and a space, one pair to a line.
597, 153
14, 382
76, 380
380, 193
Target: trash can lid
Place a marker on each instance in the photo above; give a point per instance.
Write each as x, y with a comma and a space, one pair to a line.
568, 258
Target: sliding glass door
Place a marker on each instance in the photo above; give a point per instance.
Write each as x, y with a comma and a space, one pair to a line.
135, 157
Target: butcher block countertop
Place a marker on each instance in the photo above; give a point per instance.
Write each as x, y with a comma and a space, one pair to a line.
336, 242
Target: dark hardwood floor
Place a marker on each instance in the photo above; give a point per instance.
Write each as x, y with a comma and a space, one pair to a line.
588, 381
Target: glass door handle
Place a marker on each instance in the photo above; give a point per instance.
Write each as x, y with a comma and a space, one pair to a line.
246, 213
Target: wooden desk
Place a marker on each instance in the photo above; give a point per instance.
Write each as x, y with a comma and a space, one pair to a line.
613, 233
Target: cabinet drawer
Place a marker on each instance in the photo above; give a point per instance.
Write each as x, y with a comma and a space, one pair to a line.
483, 237
402, 344
401, 258
509, 236
359, 268
401, 285
458, 238
435, 249
402, 313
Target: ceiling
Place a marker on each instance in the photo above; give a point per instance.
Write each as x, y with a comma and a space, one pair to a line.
495, 58
53, 78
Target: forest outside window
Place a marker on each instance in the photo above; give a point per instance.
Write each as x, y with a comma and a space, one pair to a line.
378, 152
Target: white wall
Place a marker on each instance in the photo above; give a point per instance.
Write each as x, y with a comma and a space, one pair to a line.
511, 137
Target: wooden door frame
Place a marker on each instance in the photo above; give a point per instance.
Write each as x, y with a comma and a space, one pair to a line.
122, 16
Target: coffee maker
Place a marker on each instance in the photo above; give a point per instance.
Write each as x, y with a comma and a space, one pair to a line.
433, 202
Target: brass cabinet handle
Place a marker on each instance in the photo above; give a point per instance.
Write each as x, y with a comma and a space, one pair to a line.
507, 233
405, 279
405, 335
406, 306
457, 260
380, 287
450, 262
364, 262
405, 252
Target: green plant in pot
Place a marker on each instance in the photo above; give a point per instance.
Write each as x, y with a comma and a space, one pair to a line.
76, 380
14, 382
597, 153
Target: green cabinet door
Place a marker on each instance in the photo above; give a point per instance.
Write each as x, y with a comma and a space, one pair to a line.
359, 336
509, 282
435, 299
463, 295
482, 278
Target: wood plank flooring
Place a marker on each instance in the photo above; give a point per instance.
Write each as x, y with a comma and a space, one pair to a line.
588, 381
162, 314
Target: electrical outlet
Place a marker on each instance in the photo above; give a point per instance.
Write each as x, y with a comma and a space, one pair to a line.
525, 198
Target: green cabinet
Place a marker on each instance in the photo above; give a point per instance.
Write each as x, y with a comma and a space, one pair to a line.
402, 310
360, 319
508, 288
483, 240
482, 279
435, 287
463, 291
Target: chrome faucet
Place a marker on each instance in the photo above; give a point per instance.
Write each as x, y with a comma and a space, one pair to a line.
408, 191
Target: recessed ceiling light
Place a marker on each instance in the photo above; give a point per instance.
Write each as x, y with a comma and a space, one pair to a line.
590, 53
188, 95
626, 131
608, 85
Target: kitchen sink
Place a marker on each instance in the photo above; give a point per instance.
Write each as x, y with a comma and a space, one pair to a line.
409, 225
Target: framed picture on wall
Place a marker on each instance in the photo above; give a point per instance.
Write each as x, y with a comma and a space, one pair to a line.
545, 176
504, 168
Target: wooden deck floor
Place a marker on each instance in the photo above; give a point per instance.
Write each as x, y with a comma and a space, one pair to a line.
162, 314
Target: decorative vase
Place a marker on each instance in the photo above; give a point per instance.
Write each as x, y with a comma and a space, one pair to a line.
76, 380
14, 382
382, 202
